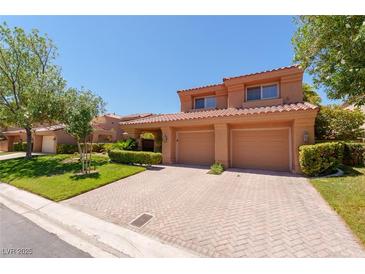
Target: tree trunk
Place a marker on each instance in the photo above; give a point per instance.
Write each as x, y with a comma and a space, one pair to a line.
81, 155
79, 147
29, 143
84, 167
91, 153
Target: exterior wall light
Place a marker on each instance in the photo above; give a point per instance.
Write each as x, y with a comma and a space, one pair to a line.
164, 138
305, 137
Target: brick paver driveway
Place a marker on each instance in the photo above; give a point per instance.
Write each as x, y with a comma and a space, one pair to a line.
237, 214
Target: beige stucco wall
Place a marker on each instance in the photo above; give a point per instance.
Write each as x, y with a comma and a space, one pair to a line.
232, 93
61, 136
110, 123
37, 143
4, 145
299, 122
64, 138
15, 138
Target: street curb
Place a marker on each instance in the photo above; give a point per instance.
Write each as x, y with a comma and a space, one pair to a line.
106, 236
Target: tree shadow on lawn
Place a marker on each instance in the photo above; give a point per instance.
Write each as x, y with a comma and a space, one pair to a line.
40, 166
77, 177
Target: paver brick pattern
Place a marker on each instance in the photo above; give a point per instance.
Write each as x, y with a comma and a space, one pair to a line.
240, 213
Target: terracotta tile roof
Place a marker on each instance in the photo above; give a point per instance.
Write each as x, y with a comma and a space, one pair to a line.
265, 71
15, 131
201, 87
127, 117
134, 116
244, 75
204, 114
50, 128
37, 129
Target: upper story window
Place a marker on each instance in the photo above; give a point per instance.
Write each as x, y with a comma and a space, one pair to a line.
205, 102
262, 92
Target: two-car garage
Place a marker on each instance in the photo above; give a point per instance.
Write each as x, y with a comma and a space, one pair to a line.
265, 148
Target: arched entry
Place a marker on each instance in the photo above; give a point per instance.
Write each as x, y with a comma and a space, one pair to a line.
151, 141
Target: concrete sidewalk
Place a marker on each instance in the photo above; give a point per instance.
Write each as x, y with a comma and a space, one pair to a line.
17, 155
97, 237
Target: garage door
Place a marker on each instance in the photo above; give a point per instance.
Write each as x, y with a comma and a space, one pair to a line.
261, 149
195, 147
48, 144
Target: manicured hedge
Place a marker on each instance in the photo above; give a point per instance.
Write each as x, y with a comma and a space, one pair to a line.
66, 149
135, 157
321, 158
71, 149
20, 146
354, 154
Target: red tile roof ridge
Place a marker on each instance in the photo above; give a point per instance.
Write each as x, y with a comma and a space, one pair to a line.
244, 75
200, 87
212, 113
264, 71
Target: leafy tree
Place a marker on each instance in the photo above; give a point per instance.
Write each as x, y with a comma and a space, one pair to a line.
82, 106
332, 49
148, 135
30, 84
310, 95
336, 123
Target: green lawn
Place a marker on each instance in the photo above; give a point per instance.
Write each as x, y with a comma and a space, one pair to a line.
346, 195
54, 176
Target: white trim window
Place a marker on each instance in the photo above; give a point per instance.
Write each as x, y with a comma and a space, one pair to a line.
262, 92
205, 102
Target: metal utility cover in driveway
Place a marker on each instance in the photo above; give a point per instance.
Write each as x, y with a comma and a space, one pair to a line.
141, 220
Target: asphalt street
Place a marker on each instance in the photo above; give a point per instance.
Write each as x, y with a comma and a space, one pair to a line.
21, 238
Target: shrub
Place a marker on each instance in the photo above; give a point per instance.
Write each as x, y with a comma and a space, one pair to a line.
20, 146
66, 149
135, 157
129, 144
99, 147
72, 148
354, 154
320, 158
216, 169
336, 123
148, 135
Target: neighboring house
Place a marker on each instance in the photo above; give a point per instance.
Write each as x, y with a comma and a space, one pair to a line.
46, 138
256, 121
107, 129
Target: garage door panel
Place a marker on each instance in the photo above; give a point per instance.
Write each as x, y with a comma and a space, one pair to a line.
261, 149
48, 144
195, 148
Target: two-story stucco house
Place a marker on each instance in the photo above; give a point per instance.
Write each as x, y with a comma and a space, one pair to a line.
254, 121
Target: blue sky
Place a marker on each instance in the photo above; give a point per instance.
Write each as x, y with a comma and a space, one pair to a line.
137, 63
